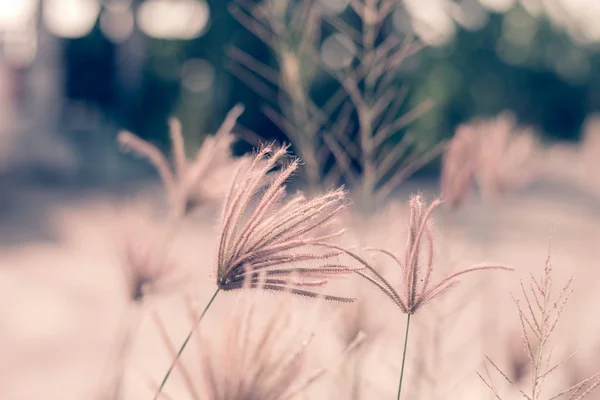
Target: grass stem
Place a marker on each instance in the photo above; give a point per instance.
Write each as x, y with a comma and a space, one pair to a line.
185, 342
404, 355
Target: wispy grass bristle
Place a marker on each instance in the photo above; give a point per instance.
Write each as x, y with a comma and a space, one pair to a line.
538, 318
272, 239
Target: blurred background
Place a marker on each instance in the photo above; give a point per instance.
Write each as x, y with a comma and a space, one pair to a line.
74, 72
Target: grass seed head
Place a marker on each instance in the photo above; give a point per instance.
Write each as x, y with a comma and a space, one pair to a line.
277, 240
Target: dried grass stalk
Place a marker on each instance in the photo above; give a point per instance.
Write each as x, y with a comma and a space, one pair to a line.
351, 136
459, 164
260, 362
417, 289
254, 357
144, 246
495, 154
291, 31
196, 182
538, 317
270, 240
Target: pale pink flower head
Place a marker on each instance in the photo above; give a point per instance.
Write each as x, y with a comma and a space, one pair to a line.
417, 264
494, 155
143, 249
194, 182
459, 164
508, 156
277, 243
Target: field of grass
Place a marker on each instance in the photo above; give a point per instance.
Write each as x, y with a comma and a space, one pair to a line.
66, 304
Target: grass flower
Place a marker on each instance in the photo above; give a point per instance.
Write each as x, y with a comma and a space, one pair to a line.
144, 246
507, 155
418, 288
261, 366
274, 247
256, 357
190, 183
272, 240
538, 316
458, 167
359, 124
495, 155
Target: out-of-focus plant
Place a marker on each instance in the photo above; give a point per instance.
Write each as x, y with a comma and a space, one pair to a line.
291, 30
370, 84
358, 126
196, 182
143, 246
255, 357
495, 154
459, 163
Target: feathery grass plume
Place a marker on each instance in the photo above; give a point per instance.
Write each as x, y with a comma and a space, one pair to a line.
507, 155
142, 258
495, 154
264, 245
190, 183
356, 320
273, 240
418, 289
144, 245
538, 318
459, 165
260, 370
258, 355
357, 317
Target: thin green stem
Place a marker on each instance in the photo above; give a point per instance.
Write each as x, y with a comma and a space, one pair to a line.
185, 342
404, 355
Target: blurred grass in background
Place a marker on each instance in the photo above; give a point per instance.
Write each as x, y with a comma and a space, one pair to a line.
74, 72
